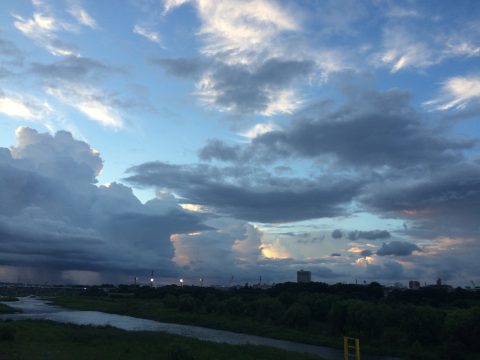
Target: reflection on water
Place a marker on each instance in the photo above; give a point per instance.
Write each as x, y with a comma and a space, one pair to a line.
34, 308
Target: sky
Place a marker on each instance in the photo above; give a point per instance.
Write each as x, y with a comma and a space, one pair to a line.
228, 140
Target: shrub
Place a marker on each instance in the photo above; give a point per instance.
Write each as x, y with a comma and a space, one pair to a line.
234, 305
179, 351
7, 333
186, 303
298, 315
170, 301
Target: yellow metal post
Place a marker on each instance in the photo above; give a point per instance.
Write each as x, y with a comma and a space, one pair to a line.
357, 349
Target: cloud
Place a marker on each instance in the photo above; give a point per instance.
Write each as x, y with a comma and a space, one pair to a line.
72, 69
81, 15
180, 67
423, 37
57, 156
172, 4
369, 235
390, 270
265, 89
371, 130
54, 218
10, 52
456, 93
42, 29
150, 35
272, 199
397, 248
16, 108
337, 234
93, 103
366, 253
444, 201
260, 129
24, 107
70, 81
239, 31
216, 149
246, 45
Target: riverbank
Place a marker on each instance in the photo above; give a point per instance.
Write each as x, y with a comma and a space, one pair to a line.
34, 340
5, 309
154, 309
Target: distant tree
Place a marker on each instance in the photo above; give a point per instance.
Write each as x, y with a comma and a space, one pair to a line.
298, 315
186, 303
234, 305
170, 301
337, 317
211, 303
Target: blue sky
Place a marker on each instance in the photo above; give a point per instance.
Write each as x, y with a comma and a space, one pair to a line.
239, 137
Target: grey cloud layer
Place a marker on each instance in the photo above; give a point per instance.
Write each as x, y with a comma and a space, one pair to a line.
397, 248
271, 199
373, 129
376, 153
51, 214
241, 89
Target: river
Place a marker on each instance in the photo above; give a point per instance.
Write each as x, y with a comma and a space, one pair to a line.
36, 309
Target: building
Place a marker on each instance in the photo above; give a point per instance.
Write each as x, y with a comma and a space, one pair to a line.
304, 276
412, 284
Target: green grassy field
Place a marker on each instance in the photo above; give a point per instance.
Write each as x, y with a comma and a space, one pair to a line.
153, 309
47, 340
315, 332
8, 298
5, 309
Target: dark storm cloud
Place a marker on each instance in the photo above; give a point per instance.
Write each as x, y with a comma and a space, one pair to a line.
306, 238
239, 88
264, 199
373, 129
390, 270
366, 253
53, 216
441, 202
337, 234
397, 248
216, 149
368, 235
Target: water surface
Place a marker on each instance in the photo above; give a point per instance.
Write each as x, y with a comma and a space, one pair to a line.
36, 309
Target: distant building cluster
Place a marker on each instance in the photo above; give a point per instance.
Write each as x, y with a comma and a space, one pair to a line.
304, 276
414, 285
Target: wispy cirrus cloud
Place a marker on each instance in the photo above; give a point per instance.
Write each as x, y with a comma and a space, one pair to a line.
44, 27
90, 101
150, 35
81, 15
456, 93
23, 107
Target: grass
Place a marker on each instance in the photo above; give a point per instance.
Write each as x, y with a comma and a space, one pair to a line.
154, 309
316, 333
5, 309
47, 340
8, 298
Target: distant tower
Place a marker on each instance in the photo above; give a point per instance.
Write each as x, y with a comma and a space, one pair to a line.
304, 276
439, 282
152, 279
414, 285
